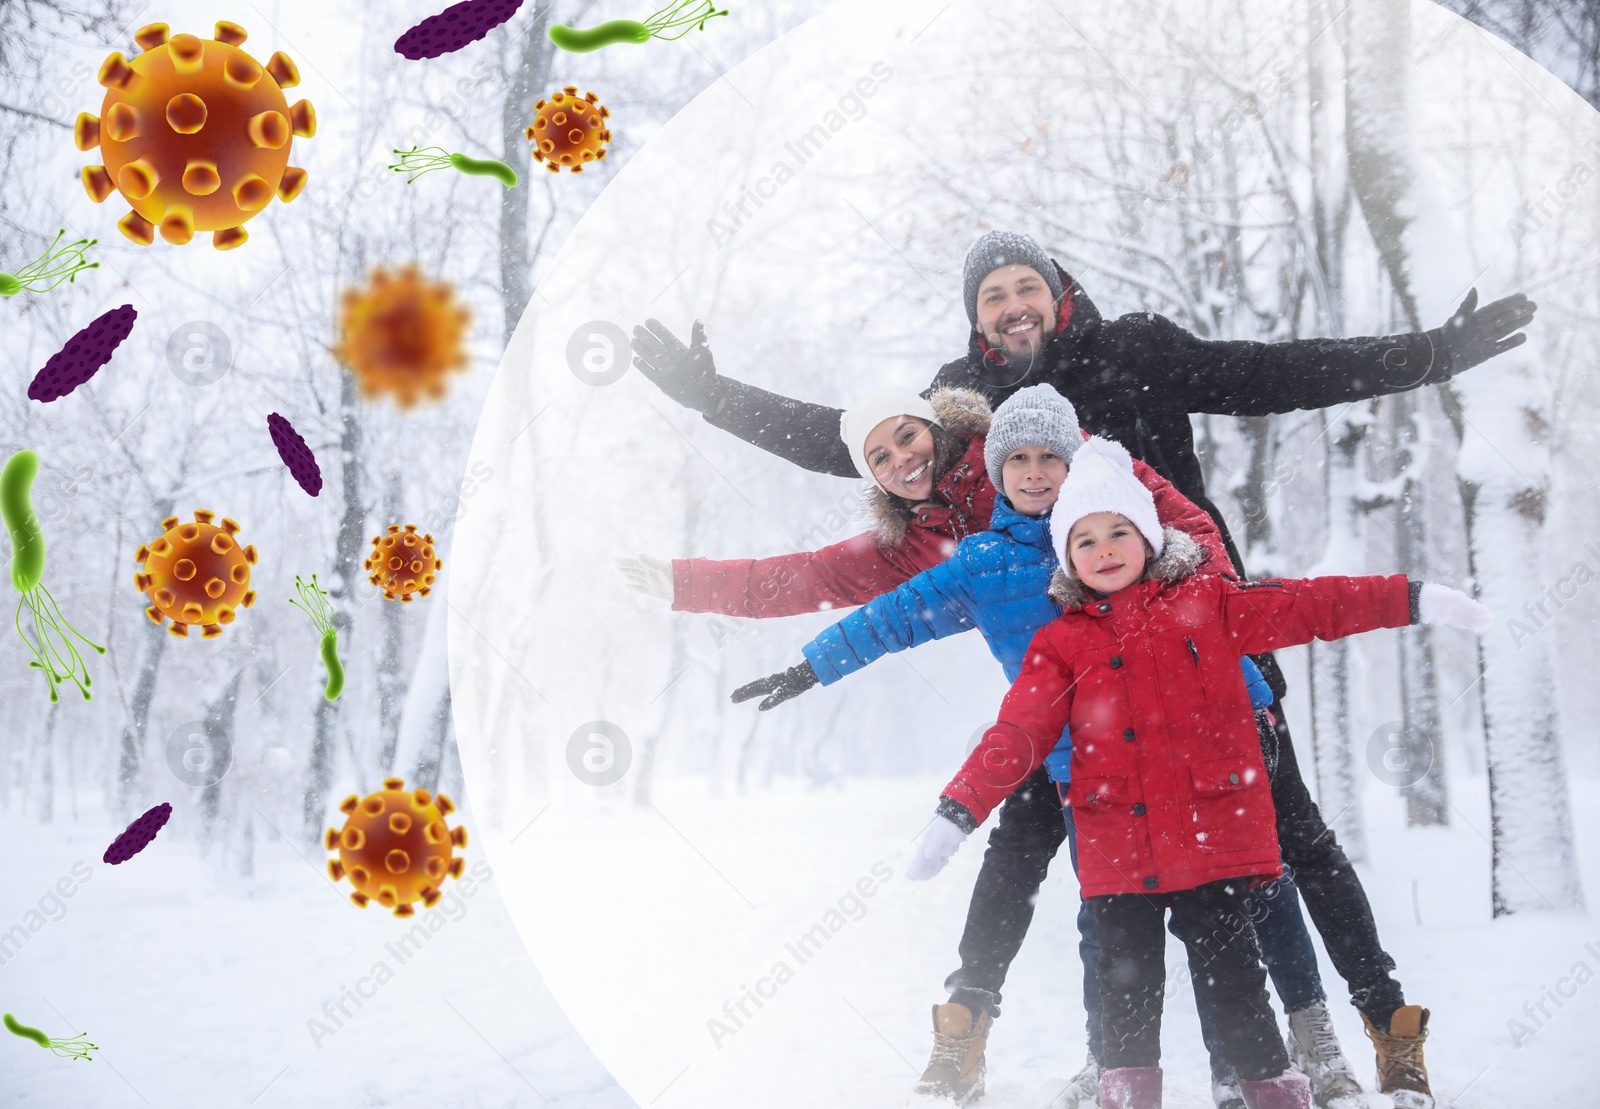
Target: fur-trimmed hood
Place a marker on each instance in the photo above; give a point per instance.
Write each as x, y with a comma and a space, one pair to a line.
966, 416
1180, 558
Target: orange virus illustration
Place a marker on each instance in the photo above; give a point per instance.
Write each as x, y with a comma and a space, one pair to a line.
402, 563
196, 574
402, 335
394, 847
195, 134
568, 130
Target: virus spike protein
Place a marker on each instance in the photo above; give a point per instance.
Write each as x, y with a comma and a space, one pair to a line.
395, 848
403, 563
569, 130
196, 574
195, 135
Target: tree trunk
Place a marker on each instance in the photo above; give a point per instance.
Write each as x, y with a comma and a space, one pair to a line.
219, 721
1425, 786
1344, 433
1534, 861
391, 676
134, 729
346, 572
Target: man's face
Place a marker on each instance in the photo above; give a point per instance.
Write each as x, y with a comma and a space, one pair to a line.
1016, 312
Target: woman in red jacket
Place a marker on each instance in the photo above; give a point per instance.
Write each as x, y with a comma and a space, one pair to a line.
931, 489
1168, 789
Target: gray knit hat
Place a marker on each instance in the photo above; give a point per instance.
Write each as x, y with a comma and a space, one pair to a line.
1037, 416
1004, 248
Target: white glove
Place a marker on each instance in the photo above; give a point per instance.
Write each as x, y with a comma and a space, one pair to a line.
939, 842
1439, 604
648, 575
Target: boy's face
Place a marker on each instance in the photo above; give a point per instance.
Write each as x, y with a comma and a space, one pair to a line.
900, 452
1032, 477
1107, 551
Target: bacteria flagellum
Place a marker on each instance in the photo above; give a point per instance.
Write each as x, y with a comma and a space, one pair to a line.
51, 643
430, 158
681, 17
49, 269
75, 1048
314, 603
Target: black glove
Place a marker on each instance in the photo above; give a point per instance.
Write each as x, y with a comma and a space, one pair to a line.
684, 373
779, 687
1474, 335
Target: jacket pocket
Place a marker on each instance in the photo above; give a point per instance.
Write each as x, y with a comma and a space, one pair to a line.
1109, 835
1231, 804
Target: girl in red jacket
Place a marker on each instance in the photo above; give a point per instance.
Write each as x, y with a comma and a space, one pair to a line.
1167, 786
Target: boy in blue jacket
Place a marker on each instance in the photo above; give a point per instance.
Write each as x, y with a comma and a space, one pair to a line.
997, 582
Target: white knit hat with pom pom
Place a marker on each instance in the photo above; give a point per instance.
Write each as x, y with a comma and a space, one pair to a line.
1101, 480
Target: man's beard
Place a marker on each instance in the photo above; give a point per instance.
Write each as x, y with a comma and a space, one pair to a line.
1018, 368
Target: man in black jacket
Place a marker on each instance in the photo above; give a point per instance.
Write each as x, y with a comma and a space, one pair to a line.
1135, 379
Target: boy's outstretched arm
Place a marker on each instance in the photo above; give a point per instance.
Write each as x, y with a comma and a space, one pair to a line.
934, 604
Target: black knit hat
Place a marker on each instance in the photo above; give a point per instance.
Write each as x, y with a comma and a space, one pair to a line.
1004, 248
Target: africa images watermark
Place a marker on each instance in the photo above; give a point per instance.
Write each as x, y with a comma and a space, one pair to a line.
736, 1012
1534, 215
1566, 988
451, 907
808, 144
1539, 612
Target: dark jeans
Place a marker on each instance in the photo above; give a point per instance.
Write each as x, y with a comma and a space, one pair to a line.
1133, 969
1030, 831
1274, 910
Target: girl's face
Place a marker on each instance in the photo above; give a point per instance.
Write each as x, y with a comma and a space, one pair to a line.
900, 453
1107, 551
1032, 477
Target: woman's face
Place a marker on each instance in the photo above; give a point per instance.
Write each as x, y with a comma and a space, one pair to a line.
1107, 551
900, 455
1032, 477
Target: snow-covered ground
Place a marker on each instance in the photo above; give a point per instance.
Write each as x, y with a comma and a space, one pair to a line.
201, 989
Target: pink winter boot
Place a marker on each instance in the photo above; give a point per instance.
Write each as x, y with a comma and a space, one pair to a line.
1290, 1090
1130, 1088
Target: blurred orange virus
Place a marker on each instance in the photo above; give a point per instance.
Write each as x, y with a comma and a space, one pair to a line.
394, 847
569, 130
403, 563
195, 134
402, 335
196, 574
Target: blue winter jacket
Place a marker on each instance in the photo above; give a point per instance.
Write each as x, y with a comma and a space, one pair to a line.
997, 582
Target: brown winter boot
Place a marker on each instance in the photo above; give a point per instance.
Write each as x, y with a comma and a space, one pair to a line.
1401, 1072
956, 1068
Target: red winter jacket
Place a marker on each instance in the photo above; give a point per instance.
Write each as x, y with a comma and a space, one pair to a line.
1168, 789
903, 544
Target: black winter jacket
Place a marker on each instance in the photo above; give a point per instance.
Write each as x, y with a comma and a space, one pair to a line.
1134, 379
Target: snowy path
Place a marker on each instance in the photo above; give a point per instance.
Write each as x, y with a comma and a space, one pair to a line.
200, 988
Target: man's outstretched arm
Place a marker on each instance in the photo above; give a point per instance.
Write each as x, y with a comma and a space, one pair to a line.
1242, 378
795, 430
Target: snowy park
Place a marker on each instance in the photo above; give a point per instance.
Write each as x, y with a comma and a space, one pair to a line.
1288, 256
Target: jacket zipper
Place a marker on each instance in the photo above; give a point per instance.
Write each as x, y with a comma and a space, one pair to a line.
1194, 653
